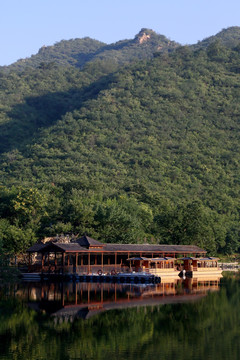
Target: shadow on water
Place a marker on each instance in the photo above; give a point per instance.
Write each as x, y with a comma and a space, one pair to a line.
55, 321
84, 300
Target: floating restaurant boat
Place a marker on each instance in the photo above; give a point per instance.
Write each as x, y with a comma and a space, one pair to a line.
159, 266
88, 256
200, 267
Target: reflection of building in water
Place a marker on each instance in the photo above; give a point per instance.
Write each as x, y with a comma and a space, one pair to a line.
73, 300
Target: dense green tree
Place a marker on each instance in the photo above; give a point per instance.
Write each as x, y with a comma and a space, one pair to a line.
122, 220
191, 223
148, 151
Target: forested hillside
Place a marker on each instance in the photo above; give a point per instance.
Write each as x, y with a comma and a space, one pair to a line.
229, 37
78, 52
148, 152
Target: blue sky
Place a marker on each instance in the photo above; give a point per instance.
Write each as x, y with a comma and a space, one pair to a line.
26, 25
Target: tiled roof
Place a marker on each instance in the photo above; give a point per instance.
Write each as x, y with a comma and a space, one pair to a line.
209, 259
88, 242
36, 247
77, 247
70, 247
148, 248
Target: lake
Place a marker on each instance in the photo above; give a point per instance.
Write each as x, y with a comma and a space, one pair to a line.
174, 320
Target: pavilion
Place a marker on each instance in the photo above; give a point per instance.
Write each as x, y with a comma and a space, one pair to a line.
86, 256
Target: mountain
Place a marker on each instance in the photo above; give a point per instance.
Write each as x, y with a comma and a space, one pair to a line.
148, 151
229, 37
74, 52
78, 52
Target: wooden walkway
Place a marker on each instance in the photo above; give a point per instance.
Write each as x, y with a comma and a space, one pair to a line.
137, 278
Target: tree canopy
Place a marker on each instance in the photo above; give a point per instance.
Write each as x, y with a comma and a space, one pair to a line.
148, 151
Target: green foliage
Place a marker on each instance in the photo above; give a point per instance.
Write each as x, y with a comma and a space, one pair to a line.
74, 52
79, 52
145, 152
207, 328
7, 274
123, 220
192, 224
227, 37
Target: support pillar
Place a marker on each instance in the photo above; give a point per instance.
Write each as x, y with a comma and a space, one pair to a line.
63, 261
42, 262
130, 263
88, 290
89, 265
76, 294
63, 296
29, 261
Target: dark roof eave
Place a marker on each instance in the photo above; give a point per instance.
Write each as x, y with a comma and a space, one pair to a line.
123, 251
119, 248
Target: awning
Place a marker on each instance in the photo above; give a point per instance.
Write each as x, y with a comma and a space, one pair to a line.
151, 259
139, 259
162, 259
208, 259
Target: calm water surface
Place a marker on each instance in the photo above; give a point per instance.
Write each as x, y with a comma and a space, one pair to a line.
175, 320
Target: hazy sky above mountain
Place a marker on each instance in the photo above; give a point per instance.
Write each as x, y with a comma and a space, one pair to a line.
26, 25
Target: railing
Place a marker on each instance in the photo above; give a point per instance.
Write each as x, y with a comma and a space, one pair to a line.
95, 269
81, 269
163, 270
208, 269
34, 268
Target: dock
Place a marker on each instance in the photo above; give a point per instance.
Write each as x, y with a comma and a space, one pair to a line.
123, 278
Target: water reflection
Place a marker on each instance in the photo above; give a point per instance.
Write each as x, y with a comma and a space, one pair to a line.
45, 321
69, 301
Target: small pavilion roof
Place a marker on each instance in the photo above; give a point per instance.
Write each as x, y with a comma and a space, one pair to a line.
59, 247
151, 259
139, 258
163, 259
199, 259
210, 258
36, 247
86, 241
